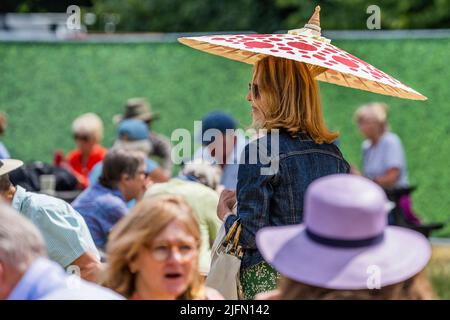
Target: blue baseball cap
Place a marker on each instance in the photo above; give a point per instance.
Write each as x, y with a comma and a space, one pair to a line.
133, 129
217, 120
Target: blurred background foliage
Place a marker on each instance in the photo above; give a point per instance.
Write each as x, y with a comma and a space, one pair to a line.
257, 15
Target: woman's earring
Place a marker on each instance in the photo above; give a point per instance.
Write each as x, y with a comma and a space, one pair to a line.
132, 268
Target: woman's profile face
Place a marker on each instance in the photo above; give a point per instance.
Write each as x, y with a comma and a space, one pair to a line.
166, 268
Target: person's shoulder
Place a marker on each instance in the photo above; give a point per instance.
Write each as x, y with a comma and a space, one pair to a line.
259, 141
198, 190
189, 189
46, 208
277, 139
391, 138
86, 196
110, 200
366, 144
4, 154
258, 152
99, 151
41, 200
73, 155
83, 290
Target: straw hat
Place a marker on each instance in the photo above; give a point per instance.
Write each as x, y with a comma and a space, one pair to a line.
8, 165
136, 108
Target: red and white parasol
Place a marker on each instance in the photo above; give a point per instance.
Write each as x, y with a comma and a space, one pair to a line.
308, 46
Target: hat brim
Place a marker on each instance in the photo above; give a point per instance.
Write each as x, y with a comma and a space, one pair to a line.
8, 165
147, 117
402, 254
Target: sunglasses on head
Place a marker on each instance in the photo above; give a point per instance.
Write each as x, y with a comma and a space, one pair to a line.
81, 137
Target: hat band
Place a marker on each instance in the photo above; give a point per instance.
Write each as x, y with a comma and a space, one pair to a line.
339, 243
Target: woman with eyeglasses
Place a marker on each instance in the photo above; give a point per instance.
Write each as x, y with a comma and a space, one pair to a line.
296, 149
153, 253
87, 132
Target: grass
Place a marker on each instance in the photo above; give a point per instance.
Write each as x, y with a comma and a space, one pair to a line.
438, 271
43, 87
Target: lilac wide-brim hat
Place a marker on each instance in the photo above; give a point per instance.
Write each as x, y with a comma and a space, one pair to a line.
344, 243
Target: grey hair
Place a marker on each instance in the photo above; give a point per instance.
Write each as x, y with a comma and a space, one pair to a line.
20, 241
374, 110
206, 173
143, 146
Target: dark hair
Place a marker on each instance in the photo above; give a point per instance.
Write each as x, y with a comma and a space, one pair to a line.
5, 183
118, 162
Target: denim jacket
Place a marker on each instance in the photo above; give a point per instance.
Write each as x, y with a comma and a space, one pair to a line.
274, 197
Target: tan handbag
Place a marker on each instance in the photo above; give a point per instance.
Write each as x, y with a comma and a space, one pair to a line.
226, 263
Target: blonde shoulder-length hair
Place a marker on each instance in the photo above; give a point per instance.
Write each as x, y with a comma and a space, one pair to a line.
289, 98
137, 230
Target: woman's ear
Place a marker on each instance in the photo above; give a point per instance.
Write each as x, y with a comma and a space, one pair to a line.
5, 285
2, 275
9, 194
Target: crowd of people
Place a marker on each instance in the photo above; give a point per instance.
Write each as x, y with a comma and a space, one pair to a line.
310, 229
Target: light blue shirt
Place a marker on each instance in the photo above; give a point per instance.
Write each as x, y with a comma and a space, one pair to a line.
4, 154
386, 154
231, 167
45, 280
64, 230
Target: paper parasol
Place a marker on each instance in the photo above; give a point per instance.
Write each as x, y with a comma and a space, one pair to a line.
308, 46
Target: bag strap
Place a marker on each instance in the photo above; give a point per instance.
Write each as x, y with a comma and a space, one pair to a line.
232, 230
236, 237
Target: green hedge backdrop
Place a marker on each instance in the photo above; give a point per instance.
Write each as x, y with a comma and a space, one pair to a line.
43, 87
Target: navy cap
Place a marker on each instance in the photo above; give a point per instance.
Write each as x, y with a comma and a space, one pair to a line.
217, 120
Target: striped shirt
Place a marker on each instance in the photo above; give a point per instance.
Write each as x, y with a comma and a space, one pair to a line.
64, 230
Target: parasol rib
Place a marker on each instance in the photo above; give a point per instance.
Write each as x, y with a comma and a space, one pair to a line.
346, 81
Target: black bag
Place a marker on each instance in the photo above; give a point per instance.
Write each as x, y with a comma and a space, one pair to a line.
28, 177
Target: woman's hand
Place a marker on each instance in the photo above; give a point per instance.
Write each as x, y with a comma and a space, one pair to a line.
354, 170
389, 179
227, 201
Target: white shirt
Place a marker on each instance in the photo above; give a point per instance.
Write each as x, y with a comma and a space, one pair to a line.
386, 154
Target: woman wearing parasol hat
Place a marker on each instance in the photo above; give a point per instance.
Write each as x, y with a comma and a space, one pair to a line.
284, 96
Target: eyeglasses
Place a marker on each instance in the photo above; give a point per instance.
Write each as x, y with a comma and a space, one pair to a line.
162, 252
253, 88
81, 137
144, 173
